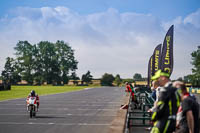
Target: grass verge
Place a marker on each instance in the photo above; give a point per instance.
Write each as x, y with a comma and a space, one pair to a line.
23, 91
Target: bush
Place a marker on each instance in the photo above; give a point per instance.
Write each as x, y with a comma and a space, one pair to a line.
107, 79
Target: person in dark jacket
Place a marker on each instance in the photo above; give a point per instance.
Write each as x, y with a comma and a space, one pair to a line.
164, 116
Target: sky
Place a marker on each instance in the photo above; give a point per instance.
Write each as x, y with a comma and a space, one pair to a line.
113, 36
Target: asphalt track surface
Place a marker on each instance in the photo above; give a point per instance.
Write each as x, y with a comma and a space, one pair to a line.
86, 111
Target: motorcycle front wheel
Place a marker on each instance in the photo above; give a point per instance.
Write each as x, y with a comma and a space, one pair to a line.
34, 114
31, 113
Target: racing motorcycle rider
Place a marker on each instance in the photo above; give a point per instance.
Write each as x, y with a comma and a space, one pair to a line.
33, 94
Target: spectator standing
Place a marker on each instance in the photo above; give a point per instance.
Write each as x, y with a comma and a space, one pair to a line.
190, 113
164, 116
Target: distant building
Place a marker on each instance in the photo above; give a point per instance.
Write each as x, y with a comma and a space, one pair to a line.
79, 82
23, 82
141, 82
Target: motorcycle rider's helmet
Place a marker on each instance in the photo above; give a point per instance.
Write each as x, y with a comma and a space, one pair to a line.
32, 93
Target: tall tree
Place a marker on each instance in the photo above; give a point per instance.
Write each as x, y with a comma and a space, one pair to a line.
118, 80
137, 77
66, 59
48, 60
38, 67
74, 77
10, 73
186, 79
58, 60
191, 78
107, 79
196, 70
87, 78
24, 53
45, 62
180, 79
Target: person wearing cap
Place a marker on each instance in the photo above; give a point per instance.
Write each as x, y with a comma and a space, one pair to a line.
164, 116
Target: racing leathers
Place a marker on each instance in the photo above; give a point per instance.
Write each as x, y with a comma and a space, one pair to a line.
37, 100
164, 116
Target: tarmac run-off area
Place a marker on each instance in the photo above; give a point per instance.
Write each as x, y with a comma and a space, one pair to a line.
86, 111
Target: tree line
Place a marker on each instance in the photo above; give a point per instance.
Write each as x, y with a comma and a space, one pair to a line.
53, 63
194, 78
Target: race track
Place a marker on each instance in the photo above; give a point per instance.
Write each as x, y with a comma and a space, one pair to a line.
86, 111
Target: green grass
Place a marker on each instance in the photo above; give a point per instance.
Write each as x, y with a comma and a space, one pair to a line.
23, 91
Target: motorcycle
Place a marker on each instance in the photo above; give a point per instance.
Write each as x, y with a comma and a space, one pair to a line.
32, 106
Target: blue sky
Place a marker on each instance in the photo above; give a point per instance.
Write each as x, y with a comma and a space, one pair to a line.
113, 36
164, 9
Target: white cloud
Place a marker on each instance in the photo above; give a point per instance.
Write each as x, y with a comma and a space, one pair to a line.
193, 18
107, 41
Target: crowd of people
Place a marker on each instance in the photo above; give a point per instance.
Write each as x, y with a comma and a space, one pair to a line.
175, 110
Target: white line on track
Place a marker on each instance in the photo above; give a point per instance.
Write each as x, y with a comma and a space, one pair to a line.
58, 109
62, 104
62, 124
58, 115
95, 109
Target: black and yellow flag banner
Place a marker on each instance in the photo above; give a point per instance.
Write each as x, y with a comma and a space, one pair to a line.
149, 71
154, 62
156, 57
167, 52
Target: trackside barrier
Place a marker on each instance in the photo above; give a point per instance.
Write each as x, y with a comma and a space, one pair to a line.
139, 113
193, 90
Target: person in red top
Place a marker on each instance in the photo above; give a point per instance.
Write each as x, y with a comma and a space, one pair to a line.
33, 94
129, 88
